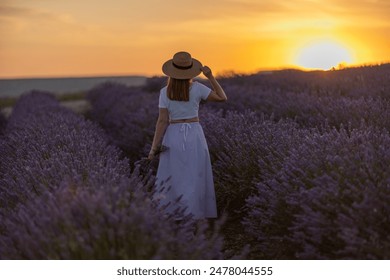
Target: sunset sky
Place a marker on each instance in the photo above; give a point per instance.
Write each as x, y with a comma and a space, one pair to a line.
44, 38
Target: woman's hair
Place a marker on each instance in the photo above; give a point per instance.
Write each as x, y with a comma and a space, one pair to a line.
178, 90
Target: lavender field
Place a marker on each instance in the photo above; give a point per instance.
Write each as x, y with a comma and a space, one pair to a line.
301, 164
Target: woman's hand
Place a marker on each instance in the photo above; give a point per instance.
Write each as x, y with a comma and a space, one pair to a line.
207, 72
152, 154
218, 93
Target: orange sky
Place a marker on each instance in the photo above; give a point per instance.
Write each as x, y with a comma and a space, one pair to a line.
120, 37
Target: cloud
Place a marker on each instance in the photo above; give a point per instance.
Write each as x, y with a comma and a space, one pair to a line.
10, 13
7, 11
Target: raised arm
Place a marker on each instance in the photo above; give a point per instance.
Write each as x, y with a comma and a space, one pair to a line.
218, 94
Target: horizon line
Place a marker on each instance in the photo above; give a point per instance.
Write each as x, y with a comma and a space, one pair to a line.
221, 73
70, 76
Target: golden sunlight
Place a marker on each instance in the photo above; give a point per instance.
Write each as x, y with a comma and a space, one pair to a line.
323, 55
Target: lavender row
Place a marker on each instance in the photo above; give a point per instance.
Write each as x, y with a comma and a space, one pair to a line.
46, 144
117, 222
126, 114
252, 148
313, 99
356, 82
302, 193
328, 201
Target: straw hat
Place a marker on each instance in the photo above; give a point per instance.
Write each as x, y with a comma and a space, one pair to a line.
182, 66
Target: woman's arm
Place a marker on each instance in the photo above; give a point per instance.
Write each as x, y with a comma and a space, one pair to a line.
161, 126
218, 94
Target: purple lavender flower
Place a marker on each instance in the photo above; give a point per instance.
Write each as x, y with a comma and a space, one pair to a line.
46, 144
127, 115
245, 148
115, 222
317, 206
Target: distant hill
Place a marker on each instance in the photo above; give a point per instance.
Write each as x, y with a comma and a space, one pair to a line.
15, 87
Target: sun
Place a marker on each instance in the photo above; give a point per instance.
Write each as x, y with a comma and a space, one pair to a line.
323, 55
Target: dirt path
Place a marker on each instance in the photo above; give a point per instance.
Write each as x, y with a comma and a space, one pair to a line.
78, 106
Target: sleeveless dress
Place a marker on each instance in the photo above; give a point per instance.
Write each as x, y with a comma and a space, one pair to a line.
185, 168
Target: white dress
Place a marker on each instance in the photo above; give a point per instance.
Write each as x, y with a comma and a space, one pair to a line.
185, 166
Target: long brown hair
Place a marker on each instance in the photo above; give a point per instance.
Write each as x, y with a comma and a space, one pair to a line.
178, 90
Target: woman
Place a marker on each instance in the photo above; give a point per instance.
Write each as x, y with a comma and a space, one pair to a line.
186, 161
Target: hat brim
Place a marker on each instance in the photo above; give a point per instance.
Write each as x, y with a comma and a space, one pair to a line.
170, 70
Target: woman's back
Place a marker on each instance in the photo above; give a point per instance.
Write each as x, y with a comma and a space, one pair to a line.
184, 109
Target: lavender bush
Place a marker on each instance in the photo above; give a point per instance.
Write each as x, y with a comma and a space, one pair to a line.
31, 103
46, 144
127, 115
352, 82
115, 222
329, 199
312, 99
245, 148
